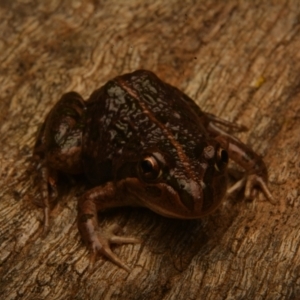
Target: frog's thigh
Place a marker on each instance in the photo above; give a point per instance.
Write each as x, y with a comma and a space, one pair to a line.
63, 134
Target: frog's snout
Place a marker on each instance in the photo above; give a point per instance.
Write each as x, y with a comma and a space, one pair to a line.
191, 195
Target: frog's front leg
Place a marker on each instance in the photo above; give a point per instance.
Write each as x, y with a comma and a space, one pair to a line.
256, 171
94, 200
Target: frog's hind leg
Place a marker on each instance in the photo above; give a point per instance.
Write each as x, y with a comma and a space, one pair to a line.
58, 146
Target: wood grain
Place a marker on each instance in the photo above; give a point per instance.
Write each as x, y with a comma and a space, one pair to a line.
239, 60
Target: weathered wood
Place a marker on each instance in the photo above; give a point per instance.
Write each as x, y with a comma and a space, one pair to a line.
240, 60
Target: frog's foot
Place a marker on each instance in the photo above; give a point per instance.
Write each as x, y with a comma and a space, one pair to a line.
100, 243
250, 182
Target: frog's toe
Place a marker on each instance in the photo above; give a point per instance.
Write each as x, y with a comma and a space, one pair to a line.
101, 244
106, 251
113, 238
237, 186
250, 182
255, 180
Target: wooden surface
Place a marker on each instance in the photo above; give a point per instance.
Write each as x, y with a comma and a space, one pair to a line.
239, 60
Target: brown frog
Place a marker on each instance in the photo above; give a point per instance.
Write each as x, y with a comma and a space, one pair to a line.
141, 142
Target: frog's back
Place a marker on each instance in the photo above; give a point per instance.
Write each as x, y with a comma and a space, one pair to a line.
134, 112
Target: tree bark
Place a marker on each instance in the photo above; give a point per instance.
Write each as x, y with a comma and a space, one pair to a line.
239, 60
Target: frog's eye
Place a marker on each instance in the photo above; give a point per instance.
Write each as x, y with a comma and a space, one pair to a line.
149, 168
221, 159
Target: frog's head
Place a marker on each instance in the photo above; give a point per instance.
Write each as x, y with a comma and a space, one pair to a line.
180, 186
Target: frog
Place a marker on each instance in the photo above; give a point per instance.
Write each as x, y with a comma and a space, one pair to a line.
140, 141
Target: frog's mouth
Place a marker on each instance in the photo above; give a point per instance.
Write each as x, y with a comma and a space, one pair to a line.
167, 201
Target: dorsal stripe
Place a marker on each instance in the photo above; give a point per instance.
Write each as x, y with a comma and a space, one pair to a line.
182, 156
